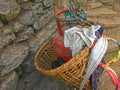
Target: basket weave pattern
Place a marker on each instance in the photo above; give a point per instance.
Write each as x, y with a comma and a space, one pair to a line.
70, 73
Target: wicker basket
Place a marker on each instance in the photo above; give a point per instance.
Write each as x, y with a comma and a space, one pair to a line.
70, 73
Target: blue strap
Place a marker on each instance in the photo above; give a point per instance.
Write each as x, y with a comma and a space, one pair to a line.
96, 74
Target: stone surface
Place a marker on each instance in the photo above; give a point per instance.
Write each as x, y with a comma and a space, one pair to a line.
28, 65
6, 39
114, 22
113, 33
47, 3
38, 11
42, 36
29, 80
31, 6
101, 12
9, 82
117, 6
11, 57
22, 1
21, 84
27, 18
25, 34
49, 83
18, 27
92, 5
38, 0
106, 1
9, 9
19, 19
32, 80
43, 20
39, 23
7, 29
49, 14
107, 22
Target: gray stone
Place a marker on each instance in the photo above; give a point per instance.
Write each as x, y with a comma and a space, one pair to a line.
43, 20
6, 39
48, 3
40, 23
28, 65
92, 5
4, 8
49, 15
27, 18
32, 79
38, 0
108, 22
31, 6
22, 1
18, 26
103, 12
19, 71
117, 6
21, 85
38, 11
106, 1
49, 83
9, 8
7, 29
12, 56
42, 36
25, 34
9, 82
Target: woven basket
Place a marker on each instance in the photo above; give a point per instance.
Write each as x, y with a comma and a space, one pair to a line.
70, 73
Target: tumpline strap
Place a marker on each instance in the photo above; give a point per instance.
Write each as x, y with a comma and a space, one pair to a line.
95, 58
112, 74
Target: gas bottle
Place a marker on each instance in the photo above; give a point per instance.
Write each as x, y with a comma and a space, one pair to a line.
58, 40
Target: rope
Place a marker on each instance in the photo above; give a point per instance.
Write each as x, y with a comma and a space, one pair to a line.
79, 15
111, 72
117, 57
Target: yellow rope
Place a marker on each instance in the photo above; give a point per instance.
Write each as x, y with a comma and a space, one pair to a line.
116, 57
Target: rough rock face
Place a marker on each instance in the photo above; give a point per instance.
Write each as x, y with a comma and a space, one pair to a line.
48, 83
9, 9
9, 81
12, 57
6, 39
106, 1
20, 18
25, 34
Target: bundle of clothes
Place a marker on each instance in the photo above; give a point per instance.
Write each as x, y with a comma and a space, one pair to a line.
76, 38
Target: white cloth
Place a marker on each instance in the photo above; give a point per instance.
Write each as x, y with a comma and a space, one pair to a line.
97, 53
76, 38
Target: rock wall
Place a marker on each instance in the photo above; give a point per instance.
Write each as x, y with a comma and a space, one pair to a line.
23, 29
20, 19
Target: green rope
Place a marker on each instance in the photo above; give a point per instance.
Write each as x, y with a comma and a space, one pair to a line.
79, 15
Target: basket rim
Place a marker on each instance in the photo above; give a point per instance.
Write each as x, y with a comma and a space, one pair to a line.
49, 70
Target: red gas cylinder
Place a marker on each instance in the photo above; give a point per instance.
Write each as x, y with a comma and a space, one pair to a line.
58, 40
60, 49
